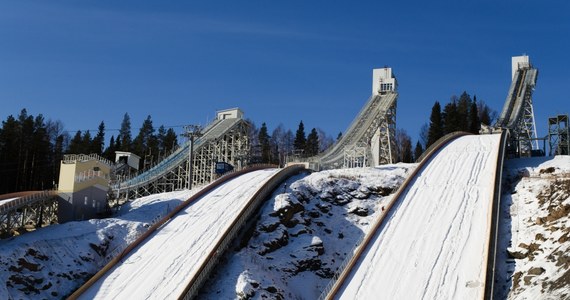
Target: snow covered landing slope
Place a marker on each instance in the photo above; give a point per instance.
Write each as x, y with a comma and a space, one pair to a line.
433, 245
162, 266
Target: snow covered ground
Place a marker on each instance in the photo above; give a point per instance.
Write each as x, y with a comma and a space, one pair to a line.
433, 244
304, 233
161, 267
534, 251
52, 262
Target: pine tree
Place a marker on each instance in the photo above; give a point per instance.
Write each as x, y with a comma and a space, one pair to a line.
9, 154
486, 114
109, 152
40, 168
145, 144
28, 149
86, 143
474, 121
300, 139
312, 143
99, 140
170, 141
76, 144
451, 122
435, 130
263, 138
124, 139
463, 106
418, 151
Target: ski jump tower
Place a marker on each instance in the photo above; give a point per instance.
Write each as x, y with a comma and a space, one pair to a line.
369, 140
224, 140
518, 112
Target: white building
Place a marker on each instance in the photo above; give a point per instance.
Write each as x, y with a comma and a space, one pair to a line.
383, 81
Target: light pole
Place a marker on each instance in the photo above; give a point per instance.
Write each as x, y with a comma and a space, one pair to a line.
191, 132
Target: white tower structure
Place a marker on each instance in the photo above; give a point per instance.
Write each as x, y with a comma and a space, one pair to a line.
383, 81
527, 123
519, 62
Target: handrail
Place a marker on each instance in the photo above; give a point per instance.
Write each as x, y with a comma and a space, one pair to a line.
153, 228
90, 174
493, 223
73, 158
332, 289
25, 198
229, 235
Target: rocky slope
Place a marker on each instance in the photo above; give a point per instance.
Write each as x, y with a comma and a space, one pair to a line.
536, 230
305, 231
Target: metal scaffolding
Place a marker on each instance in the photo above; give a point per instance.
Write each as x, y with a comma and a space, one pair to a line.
22, 214
525, 130
224, 140
387, 129
518, 114
231, 147
558, 134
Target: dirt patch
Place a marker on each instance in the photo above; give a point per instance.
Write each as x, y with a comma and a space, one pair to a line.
549, 170
562, 282
22, 262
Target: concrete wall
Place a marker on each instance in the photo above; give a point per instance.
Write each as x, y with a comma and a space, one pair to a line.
232, 113
83, 186
519, 62
86, 204
383, 80
66, 177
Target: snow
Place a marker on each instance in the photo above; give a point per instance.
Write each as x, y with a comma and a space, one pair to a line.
176, 251
295, 249
434, 242
535, 229
322, 227
7, 200
53, 261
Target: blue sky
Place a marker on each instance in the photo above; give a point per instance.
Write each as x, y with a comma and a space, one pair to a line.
83, 62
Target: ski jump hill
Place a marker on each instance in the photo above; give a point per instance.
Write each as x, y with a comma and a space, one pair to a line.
437, 239
438, 233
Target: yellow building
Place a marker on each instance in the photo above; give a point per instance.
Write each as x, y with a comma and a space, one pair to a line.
83, 187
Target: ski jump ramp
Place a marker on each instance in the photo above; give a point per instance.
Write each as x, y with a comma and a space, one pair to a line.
369, 140
433, 242
174, 258
518, 112
437, 239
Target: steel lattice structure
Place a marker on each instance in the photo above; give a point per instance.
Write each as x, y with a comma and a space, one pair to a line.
558, 135
518, 114
223, 140
36, 209
370, 138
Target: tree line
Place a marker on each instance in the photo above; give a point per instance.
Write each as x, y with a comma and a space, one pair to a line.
461, 113
31, 148
282, 144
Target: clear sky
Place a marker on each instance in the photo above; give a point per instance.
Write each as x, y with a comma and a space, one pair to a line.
83, 62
